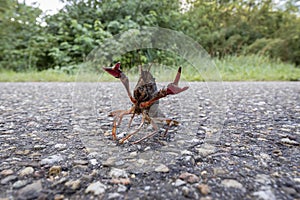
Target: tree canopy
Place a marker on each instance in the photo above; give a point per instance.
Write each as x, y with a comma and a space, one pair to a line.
31, 40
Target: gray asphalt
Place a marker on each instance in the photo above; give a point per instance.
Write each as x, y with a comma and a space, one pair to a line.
236, 140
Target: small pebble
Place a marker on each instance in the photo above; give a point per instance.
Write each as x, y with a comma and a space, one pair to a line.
289, 190
297, 180
24, 152
263, 179
123, 181
80, 162
133, 154
204, 189
114, 195
109, 162
60, 147
52, 159
147, 187
8, 179
189, 177
39, 147
96, 188
179, 182
92, 155
31, 191
59, 197
219, 171
162, 168
54, 170
187, 192
232, 183
186, 152
117, 173
26, 171
6, 172
277, 152
289, 141
205, 150
122, 188
93, 161
20, 183
265, 194
74, 185
147, 148
188, 161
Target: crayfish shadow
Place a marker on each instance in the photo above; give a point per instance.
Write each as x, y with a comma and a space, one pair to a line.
142, 157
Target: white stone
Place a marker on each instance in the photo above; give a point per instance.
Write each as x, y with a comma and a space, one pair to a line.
179, 182
205, 150
297, 180
162, 168
263, 179
186, 152
96, 188
60, 146
52, 159
265, 194
94, 161
288, 141
20, 183
122, 188
117, 173
114, 195
232, 183
26, 171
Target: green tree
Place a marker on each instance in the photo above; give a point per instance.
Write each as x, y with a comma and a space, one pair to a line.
222, 27
19, 35
83, 25
237, 27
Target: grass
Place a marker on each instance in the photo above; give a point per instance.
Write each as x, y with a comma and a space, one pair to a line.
35, 76
256, 68
231, 68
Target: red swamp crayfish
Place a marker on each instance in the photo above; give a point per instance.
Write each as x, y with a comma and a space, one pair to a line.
145, 101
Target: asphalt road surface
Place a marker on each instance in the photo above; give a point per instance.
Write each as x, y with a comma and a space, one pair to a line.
236, 140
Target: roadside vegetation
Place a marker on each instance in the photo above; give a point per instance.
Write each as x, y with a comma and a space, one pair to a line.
230, 68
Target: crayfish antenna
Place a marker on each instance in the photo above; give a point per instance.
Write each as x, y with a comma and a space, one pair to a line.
150, 67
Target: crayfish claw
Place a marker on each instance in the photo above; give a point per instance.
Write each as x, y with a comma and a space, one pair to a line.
177, 78
115, 70
173, 87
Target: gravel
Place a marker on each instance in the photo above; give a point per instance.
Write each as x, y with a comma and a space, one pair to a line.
237, 140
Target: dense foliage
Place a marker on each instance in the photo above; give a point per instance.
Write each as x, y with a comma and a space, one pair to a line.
31, 40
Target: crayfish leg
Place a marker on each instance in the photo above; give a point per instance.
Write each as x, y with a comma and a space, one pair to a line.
144, 138
118, 118
114, 129
131, 134
154, 125
129, 124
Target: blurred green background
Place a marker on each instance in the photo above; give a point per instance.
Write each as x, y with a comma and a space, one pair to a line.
248, 40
